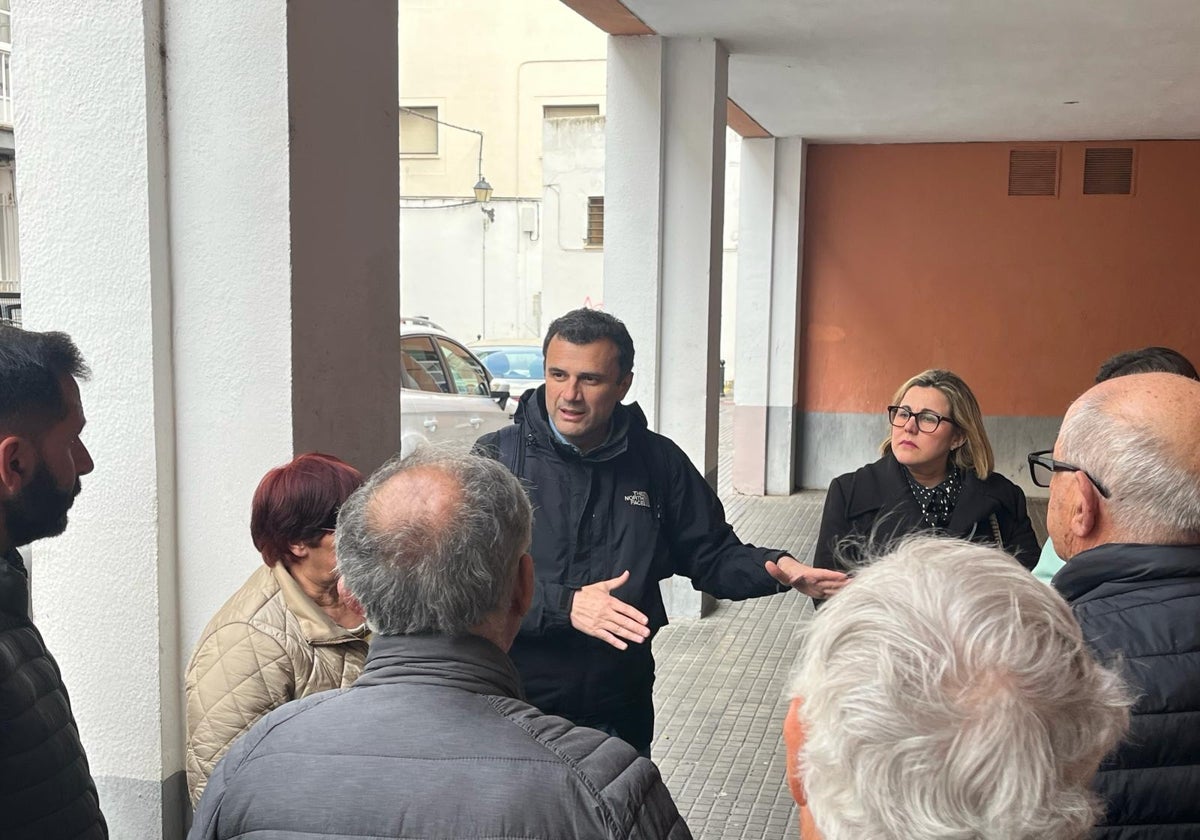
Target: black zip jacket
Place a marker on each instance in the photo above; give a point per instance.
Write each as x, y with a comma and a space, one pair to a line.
874, 506
1139, 607
46, 789
635, 503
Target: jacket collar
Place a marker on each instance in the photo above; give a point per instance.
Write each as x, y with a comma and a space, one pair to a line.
14, 585
886, 488
1098, 572
469, 663
316, 626
532, 414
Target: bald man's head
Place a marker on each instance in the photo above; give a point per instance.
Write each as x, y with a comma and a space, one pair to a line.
1139, 436
431, 544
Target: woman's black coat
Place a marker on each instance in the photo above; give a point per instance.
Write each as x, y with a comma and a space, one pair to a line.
873, 506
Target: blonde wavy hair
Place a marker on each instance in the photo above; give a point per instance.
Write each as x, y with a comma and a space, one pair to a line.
976, 452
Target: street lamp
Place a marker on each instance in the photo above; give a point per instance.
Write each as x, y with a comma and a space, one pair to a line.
483, 190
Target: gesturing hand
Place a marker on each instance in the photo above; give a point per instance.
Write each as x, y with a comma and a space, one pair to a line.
595, 612
816, 583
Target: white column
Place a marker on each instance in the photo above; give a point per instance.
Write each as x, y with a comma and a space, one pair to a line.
770, 262
220, 240
92, 188
664, 203
633, 204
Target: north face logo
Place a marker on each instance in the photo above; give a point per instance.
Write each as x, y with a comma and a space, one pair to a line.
639, 498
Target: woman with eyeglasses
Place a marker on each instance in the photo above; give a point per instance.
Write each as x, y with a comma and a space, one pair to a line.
288, 632
935, 475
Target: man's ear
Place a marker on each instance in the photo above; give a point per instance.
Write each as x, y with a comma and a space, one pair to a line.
522, 598
18, 462
793, 739
625, 382
1085, 513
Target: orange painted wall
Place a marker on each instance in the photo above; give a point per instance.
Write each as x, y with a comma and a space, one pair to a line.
916, 257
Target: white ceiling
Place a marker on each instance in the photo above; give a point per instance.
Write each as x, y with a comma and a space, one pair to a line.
884, 71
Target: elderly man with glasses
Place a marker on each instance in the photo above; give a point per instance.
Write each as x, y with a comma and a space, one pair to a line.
1124, 481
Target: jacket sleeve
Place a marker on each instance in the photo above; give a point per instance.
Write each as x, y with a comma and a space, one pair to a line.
236, 676
1019, 538
658, 818
550, 609
703, 545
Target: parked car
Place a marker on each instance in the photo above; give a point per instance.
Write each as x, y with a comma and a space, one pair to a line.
446, 392
517, 363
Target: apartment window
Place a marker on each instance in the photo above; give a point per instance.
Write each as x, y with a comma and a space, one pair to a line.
595, 222
559, 112
6, 23
418, 131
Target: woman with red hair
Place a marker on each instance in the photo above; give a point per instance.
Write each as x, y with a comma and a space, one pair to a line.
287, 633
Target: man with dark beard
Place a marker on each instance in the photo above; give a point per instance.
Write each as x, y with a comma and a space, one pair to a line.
46, 789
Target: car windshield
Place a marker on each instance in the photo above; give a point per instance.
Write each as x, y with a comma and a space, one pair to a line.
514, 362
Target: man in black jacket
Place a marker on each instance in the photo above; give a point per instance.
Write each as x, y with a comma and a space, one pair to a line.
434, 738
46, 789
1124, 513
618, 508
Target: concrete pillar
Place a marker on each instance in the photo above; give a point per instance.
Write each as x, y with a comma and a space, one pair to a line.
767, 350
216, 227
633, 204
664, 200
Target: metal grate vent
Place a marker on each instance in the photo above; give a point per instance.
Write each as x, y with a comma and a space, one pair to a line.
595, 222
1033, 172
1108, 171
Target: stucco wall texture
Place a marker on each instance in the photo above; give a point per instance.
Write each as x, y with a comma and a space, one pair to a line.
915, 256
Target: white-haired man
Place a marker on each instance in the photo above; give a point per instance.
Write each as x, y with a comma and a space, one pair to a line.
434, 738
1124, 512
947, 693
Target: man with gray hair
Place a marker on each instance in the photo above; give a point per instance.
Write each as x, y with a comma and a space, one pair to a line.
434, 738
947, 693
1124, 479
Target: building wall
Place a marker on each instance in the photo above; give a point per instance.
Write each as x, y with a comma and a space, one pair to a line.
474, 276
508, 61
916, 257
572, 171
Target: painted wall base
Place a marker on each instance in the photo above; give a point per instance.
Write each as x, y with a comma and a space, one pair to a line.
832, 444
129, 805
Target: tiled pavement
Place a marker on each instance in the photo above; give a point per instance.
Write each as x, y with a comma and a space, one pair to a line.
721, 682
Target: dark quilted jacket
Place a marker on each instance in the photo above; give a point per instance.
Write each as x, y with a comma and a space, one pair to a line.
432, 740
46, 790
1140, 606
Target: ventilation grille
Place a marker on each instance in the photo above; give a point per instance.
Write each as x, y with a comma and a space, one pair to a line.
1108, 171
595, 222
1033, 172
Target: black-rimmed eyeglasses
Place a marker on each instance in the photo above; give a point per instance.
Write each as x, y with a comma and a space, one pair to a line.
1042, 468
927, 421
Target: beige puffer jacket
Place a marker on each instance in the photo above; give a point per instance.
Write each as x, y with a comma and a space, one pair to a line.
267, 645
